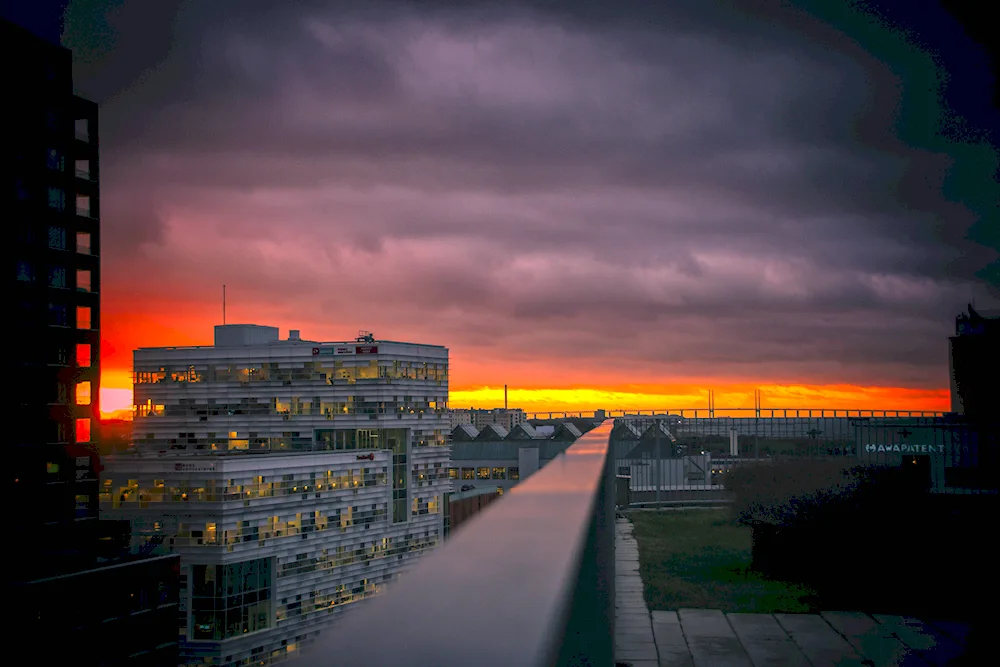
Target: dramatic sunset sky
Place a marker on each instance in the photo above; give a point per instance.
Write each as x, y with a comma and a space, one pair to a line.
601, 204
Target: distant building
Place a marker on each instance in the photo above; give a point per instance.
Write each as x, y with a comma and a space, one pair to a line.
500, 463
71, 580
507, 418
293, 477
975, 365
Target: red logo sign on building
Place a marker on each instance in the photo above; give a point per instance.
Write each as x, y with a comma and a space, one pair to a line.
366, 349
366, 457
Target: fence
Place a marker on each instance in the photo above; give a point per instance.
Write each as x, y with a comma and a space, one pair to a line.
675, 458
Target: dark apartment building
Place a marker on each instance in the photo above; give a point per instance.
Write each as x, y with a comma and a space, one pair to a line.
61, 555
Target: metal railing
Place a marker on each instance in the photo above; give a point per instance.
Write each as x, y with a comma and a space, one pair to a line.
530, 582
745, 413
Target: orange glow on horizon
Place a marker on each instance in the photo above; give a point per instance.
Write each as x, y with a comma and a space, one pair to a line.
116, 397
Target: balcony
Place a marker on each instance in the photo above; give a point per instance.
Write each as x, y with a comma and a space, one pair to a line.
530, 582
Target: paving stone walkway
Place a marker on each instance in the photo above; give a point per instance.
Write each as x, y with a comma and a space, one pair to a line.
711, 638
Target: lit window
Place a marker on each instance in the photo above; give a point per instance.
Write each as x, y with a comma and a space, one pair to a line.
83, 430
57, 276
52, 468
83, 205
57, 199
83, 280
482, 473
452, 473
513, 473
499, 473
83, 355
83, 317
57, 238
83, 393
82, 243
468, 473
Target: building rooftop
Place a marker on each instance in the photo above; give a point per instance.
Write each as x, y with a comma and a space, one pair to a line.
253, 335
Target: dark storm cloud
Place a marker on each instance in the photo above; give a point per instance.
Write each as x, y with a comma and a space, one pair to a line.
722, 181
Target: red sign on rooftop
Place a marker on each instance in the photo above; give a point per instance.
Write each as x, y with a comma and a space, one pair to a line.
366, 349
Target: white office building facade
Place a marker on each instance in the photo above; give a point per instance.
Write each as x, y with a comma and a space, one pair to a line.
294, 478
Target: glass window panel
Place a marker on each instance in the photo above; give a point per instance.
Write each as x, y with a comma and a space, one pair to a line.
82, 243
83, 359
83, 205
25, 272
83, 430
54, 159
57, 238
83, 393
83, 280
57, 276
83, 317
57, 199
58, 314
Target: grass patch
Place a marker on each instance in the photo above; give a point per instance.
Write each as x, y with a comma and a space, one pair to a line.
701, 558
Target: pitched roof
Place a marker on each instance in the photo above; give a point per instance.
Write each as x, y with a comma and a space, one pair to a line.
492, 432
567, 429
506, 450
624, 430
464, 432
522, 431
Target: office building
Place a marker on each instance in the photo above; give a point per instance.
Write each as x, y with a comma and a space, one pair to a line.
293, 477
507, 418
73, 583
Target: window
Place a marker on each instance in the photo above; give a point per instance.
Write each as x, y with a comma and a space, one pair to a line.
83, 355
452, 473
52, 468
83, 393
468, 473
230, 600
499, 473
25, 272
57, 199
83, 205
83, 243
22, 190
83, 280
57, 315
513, 472
83, 169
57, 238
55, 160
83, 317
82, 129
83, 430
482, 473
57, 276
59, 355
